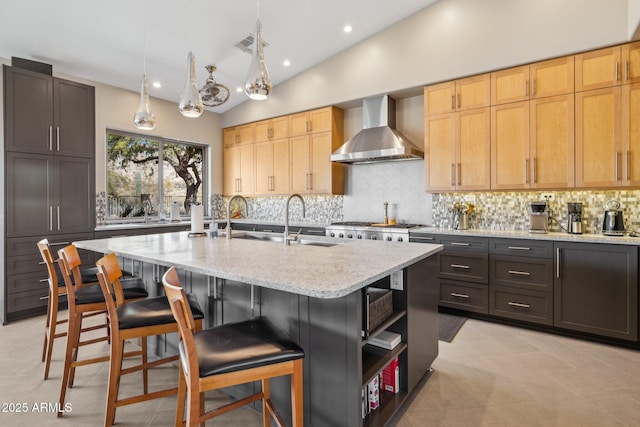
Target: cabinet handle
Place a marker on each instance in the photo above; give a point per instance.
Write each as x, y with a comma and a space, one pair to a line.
50, 218
617, 67
533, 87
535, 178
518, 304
310, 182
63, 243
429, 239
44, 297
524, 88
617, 175
268, 230
526, 171
57, 138
626, 70
461, 266
627, 162
453, 174
460, 244
453, 102
58, 214
42, 281
457, 295
557, 263
50, 138
519, 273
519, 248
458, 96
458, 174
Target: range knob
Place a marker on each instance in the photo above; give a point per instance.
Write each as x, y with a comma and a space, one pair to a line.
349, 236
333, 234
359, 236
374, 237
400, 239
341, 235
389, 238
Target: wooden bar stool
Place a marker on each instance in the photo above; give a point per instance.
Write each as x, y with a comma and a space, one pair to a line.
135, 319
231, 354
57, 289
84, 298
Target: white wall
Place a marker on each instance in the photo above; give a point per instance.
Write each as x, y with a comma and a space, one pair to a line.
450, 39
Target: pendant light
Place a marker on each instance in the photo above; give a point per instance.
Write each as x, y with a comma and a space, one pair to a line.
144, 119
190, 101
212, 93
258, 85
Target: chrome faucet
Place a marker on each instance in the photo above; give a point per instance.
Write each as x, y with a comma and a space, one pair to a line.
288, 238
246, 205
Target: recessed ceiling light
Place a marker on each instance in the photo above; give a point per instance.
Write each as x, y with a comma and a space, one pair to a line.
286, 63
157, 84
239, 89
347, 28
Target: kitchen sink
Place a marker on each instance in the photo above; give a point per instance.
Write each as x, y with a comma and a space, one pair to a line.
279, 239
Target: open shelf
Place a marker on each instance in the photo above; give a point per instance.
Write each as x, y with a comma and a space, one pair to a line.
374, 359
389, 404
395, 316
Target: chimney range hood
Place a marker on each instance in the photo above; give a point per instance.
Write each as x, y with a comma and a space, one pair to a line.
378, 140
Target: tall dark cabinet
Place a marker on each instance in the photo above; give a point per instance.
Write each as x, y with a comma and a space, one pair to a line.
49, 178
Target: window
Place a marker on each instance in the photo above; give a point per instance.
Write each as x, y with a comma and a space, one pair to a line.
147, 174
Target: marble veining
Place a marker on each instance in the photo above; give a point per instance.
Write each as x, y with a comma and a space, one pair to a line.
322, 272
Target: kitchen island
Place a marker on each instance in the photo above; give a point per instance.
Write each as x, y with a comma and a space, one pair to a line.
316, 290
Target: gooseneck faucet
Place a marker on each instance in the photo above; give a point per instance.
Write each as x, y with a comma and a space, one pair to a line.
246, 205
288, 238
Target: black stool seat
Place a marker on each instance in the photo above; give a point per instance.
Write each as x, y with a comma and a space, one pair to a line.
242, 345
131, 288
88, 274
152, 311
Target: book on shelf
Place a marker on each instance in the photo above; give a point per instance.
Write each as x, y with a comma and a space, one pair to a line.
385, 339
391, 376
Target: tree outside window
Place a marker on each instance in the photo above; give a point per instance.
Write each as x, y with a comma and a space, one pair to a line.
148, 174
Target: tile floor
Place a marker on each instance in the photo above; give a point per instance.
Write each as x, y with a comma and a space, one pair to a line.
490, 375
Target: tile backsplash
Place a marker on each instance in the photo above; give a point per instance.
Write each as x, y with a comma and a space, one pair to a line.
318, 208
510, 210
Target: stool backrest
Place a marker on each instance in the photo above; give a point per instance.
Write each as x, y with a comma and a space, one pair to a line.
69, 262
47, 257
109, 274
184, 317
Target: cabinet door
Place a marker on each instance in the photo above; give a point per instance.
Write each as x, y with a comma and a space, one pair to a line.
320, 177
554, 77
440, 98
280, 180
596, 289
439, 153
299, 124
473, 92
29, 180
229, 136
552, 142
264, 167
473, 169
300, 160
231, 170
510, 85
247, 170
510, 146
631, 134
598, 69
262, 131
73, 119
598, 128
246, 133
280, 127
28, 111
631, 63
320, 120
74, 210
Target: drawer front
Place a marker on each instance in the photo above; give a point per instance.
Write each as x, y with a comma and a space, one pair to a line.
464, 244
422, 238
522, 247
521, 272
28, 282
27, 300
521, 304
464, 296
28, 245
473, 268
26, 264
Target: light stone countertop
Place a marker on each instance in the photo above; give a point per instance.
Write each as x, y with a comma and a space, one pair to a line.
207, 222
322, 272
513, 234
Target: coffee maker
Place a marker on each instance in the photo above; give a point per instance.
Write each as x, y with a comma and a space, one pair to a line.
538, 218
574, 223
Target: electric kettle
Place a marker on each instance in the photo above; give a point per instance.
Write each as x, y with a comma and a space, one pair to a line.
613, 224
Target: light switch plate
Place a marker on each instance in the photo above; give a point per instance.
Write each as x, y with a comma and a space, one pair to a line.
397, 280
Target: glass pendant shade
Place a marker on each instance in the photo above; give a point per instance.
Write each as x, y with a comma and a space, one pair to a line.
258, 85
144, 118
212, 93
190, 100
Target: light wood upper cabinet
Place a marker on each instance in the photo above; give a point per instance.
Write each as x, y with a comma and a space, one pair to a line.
631, 63
598, 69
510, 146
314, 121
272, 167
598, 138
229, 136
539, 80
239, 169
457, 151
272, 129
458, 95
631, 135
238, 134
552, 142
311, 168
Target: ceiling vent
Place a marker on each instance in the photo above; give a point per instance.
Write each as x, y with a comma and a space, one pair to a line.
246, 44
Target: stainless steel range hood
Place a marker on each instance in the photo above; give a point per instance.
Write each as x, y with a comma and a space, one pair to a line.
378, 140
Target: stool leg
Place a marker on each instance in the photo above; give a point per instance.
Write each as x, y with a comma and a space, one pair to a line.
145, 371
115, 366
182, 394
46, 328
50, 334
76, 349
193, 406
297, 414
266, 395
202, 407
72, 331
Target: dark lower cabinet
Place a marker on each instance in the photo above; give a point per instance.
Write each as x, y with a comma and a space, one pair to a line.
596, 289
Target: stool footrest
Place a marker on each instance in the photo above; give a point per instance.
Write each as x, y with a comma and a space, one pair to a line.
231, 406
147, 396
148, 365
93, 341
